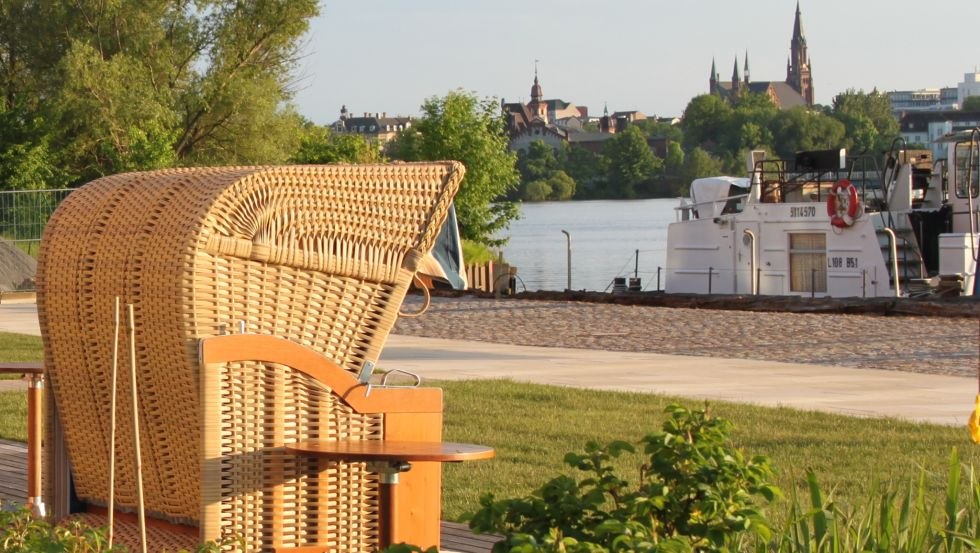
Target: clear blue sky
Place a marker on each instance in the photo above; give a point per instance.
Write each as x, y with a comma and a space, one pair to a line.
646, 55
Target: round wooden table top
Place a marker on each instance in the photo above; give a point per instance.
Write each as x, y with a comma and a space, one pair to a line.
387, 450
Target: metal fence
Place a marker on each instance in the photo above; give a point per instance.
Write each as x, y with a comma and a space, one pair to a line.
23, 216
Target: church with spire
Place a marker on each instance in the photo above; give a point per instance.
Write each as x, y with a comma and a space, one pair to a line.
547, 120
796, 90
557, 122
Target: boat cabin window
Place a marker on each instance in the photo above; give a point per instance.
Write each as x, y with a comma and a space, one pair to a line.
808, 262
964, 171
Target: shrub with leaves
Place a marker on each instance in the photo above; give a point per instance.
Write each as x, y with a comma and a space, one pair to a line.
20, 532
695, 492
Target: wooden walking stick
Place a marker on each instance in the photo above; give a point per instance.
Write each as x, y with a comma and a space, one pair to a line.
131, 328
112, 419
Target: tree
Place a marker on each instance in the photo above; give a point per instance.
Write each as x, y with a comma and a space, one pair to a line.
562, 186
705, 120
631, 162
27, 161
749, 125
674, 160
321, 145
657, 129
541, 175
971, 103
799, 129
462, 127
587, 169
537, 191
699, 163
538, 161
868, 121
138, 85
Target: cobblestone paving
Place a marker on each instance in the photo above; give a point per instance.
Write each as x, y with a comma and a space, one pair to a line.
918, 344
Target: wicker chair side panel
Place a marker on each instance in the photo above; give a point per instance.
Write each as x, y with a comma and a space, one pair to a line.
115, 238
270, 498
345, 319
127, 533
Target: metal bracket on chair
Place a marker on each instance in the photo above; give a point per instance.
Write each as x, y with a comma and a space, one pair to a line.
364, 377
384, 379
366, 371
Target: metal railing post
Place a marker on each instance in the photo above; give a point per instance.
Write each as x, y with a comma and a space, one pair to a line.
894, 251
752, 262
568, 240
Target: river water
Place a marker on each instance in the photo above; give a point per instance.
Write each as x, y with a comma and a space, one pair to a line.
605, 238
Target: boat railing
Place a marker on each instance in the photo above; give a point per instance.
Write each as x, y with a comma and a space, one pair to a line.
780, 184
789, 181
811, 282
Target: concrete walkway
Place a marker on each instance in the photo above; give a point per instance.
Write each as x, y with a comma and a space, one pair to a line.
859, 392
19, 316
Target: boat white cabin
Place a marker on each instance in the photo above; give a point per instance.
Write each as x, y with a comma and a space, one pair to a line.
825, 225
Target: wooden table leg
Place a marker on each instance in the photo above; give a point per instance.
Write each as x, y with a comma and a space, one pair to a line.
387, 513
388, 499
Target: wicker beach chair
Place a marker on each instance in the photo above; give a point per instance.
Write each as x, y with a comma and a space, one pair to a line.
321, 256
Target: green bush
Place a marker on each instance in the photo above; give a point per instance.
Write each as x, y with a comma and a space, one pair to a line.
695, 493
476, 253
20, 532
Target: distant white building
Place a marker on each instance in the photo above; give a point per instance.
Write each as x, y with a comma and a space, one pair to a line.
924, 99
969, 87
377, 128
924, 127
935, 99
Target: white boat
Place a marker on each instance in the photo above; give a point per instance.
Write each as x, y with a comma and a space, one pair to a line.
825, 225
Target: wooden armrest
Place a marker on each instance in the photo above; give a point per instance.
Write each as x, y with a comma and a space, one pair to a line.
271, 349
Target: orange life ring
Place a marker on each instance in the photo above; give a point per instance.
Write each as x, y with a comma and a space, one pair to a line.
843, 205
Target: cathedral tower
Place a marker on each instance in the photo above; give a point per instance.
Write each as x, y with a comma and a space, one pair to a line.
713, 79
798, 66
736, 80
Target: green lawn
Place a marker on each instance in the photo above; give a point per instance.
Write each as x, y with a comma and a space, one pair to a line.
19, 347
533, 426
13, 416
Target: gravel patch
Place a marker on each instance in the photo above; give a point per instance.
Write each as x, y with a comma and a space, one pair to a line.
934, 345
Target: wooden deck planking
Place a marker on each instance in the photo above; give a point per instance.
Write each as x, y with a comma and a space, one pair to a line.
13, 472
13, 490
459, 537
